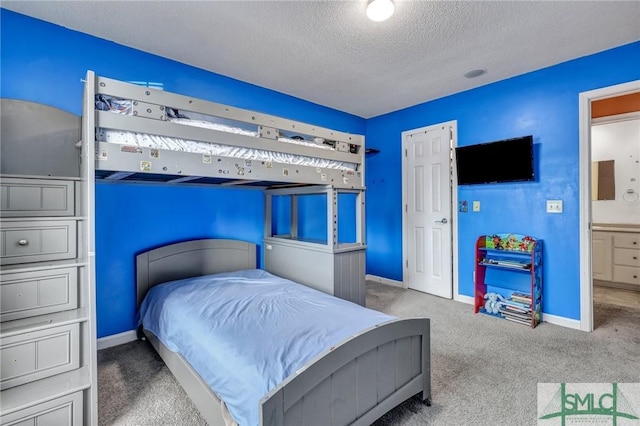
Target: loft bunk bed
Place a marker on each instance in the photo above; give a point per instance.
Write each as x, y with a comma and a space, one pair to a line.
148, 134
137, 133
134, 133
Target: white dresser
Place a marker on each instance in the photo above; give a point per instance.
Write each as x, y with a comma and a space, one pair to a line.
47, 328
616, 255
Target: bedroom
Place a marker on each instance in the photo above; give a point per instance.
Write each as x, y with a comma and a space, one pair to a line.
548, 97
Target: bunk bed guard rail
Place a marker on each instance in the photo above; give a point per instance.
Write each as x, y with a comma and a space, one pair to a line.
144, 133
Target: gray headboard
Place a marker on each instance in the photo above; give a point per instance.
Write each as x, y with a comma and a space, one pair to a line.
191, 259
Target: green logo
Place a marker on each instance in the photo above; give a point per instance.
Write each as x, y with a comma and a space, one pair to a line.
588, 404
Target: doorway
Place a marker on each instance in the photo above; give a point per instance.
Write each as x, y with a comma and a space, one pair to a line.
429, 231
586, 193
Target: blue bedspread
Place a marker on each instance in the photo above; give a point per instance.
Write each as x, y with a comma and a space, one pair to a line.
244, 332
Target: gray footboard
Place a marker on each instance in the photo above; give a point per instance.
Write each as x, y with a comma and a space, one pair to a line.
358, 381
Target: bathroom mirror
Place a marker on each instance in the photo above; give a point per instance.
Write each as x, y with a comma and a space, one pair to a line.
603, 185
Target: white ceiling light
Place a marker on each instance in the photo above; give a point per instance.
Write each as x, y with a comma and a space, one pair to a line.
380, 10
475, 73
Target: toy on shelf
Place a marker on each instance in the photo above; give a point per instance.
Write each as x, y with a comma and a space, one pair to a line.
493, 303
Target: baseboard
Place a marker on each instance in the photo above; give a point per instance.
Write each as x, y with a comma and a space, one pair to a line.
383, 280
551, 319
117, 339
464, 299
561, 321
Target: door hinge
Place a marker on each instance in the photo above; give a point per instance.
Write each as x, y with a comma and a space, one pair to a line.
405, 153
406, 263
406, 208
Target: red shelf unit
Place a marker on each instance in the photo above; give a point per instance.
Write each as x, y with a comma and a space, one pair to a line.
517, 253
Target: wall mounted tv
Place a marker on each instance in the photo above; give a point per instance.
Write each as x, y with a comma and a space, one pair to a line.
509, 160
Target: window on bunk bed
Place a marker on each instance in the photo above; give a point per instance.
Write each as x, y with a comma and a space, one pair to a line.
304, 217
152, 84
347, 203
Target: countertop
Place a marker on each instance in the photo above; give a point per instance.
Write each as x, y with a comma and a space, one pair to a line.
615, 227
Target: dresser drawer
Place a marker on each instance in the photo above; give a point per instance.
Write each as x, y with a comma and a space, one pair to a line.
37, 197
33, 356
626, 274
28, 294
38, 241
630, 240
627, 257
63, 411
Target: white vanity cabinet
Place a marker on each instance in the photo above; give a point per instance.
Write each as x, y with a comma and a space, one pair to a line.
602, 255
616, 255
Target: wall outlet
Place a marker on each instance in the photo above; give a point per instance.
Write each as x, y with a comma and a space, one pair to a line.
554, 206
476, 206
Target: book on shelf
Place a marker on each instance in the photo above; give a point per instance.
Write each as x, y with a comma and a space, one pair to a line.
508, 263
521, 298
519, 295
512, 302
516, 309
518, 315
518, 320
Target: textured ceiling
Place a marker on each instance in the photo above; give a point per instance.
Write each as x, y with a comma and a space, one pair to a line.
329, 53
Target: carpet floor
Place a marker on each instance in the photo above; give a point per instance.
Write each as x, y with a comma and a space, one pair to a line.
484, 370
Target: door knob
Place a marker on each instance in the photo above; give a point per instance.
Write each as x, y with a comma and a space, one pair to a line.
444, 220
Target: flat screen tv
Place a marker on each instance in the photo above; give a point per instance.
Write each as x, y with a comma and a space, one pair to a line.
509, 160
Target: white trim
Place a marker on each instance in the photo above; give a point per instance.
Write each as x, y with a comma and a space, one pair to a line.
469, 300
117, 339
453, 126
454, 209
551, 319
561, 321
386, 281
616, 118
586, 284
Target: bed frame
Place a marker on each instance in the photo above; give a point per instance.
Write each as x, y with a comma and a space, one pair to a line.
118, 162
338, 267
355, 382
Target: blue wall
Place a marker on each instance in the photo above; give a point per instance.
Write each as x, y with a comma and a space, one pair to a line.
45, 63
544, 104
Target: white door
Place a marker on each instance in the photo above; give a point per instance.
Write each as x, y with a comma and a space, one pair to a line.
427, 209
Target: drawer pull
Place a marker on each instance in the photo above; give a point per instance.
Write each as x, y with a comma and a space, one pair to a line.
23, 242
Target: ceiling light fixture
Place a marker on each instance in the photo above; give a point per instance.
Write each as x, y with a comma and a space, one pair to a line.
380, 10
475, 73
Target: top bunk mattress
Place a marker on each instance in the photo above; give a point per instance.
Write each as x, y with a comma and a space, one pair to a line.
123, 137
245, 332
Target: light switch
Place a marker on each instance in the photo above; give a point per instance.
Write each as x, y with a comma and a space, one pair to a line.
554, 206
476, 206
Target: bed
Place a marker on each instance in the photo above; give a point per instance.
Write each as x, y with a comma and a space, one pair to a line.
135, 134
353, 381
138, 134
148, 134
204, 121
